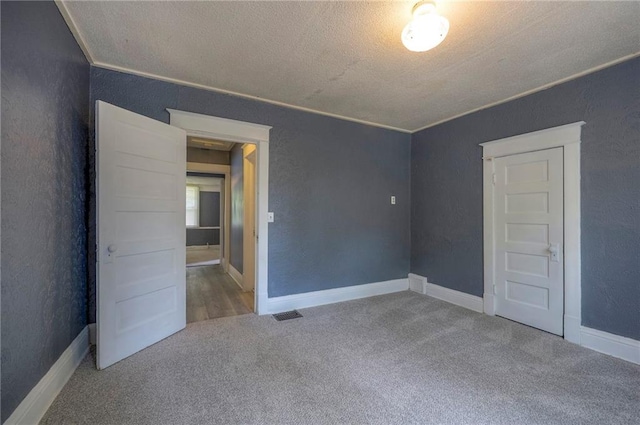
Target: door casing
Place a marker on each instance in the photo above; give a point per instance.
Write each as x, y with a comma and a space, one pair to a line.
567, 137
249, 216
241, 132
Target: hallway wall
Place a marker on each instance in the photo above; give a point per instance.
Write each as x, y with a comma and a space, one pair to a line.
236, 236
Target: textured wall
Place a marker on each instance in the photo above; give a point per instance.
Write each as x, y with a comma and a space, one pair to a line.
236, 234
202, 237
207, 156
329, 185
45, 112
446, 188
209, 209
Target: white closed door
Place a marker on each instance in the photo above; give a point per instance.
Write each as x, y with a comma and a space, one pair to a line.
529, 239
141, 173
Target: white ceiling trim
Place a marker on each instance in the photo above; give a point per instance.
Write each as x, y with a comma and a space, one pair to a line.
74, 30
402, 130
532, 91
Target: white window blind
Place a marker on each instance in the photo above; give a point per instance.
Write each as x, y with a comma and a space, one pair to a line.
192, 206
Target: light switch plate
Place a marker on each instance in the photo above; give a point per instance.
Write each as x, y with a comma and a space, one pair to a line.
393, 200
270, 217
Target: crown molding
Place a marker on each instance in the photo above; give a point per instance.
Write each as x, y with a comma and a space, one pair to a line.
74, 30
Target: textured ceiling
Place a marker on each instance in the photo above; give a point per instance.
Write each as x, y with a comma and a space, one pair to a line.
346, 58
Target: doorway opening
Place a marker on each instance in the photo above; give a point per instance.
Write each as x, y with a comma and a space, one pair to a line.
220, 228
223, 130
204, 212
141, 170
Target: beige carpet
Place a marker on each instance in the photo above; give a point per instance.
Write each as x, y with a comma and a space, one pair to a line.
396, 359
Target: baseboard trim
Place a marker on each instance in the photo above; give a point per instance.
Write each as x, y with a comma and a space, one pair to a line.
603, 342
37, 402
452, 296
416, 283
202, 247
614, 345
236, 276
336, 295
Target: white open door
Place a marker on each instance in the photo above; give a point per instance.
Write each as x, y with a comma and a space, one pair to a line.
529, 239
141, 173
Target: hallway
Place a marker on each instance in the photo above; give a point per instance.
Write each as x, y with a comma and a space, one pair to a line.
212, 293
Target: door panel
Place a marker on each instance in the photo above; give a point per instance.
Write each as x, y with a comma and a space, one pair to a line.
141, 171
528, 208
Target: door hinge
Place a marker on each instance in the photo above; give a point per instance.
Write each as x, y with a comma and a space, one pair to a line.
495, 290
493, 178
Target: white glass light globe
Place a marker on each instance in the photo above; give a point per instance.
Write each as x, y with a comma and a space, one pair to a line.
425, 32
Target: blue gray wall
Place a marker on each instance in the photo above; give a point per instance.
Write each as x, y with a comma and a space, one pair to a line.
45, 113
207, 156
446, 191
201, 237
236, 241
209, 209
329, 185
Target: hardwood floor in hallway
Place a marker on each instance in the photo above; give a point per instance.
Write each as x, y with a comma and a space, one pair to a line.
212, 293
197, 255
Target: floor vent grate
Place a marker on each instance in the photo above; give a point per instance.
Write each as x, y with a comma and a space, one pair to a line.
293, 314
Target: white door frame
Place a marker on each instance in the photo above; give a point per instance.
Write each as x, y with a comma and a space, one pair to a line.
249, 216
567, 137
240, 132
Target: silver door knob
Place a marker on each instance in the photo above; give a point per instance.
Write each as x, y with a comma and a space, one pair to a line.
554, 249
112, 248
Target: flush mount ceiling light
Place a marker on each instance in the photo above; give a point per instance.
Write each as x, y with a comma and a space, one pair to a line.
426, 30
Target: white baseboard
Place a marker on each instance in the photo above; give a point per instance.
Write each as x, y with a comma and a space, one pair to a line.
416, 283
614, 345
36, 403
201, 247
236, 275
445, 294
330, 296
